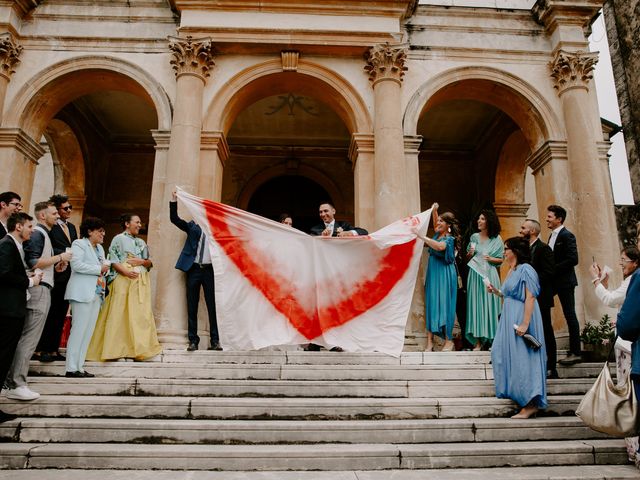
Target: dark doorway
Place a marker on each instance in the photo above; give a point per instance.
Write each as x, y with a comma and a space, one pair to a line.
298, 196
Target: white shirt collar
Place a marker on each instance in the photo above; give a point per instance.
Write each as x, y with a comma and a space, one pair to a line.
557, 230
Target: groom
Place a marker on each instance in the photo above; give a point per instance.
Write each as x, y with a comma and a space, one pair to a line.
330, 227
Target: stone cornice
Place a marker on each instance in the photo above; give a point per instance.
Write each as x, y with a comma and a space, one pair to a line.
23, 7
18, 139
192, 56
215, 141
511, 210
386, 62
360, 143
412, 143
551, 150
572, 69
162, 138
552, 13
9, 54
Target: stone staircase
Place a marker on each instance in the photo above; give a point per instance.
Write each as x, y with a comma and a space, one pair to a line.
302, 415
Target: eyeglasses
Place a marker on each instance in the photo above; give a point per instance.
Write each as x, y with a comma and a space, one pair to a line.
625, 260
67, 208
16, 204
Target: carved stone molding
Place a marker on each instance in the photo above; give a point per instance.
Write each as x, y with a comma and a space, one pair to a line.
572, 69
549, 151
17, 138
290, 61
386, 62
511, 210
9, 54
162, 138
192, 56
360, 143
215, 141
552, 13
412, 143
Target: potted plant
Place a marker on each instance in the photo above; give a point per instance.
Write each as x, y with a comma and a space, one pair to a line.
597, 339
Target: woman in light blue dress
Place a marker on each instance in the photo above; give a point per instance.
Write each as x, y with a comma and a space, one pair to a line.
441, 285
519, 370
484, 256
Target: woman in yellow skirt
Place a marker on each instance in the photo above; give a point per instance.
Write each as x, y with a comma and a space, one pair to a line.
125, 326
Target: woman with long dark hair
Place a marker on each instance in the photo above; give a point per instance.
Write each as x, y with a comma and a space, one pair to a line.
484, 257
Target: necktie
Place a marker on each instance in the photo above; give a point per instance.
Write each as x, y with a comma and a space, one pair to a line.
65, 229
201, 256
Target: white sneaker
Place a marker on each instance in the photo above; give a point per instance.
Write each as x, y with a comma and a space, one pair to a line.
21, 393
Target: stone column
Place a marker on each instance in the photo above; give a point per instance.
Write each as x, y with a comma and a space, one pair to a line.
412, 157
511, 216
361, 154
592, 213
213, 155
19, 155
386, 67
192, 62
9, 58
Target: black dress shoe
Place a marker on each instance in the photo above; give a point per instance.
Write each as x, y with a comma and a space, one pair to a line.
337, 349
59, 357
5, 417
552, 374
74, 374
312, 347
215, 346
192, 347
86, 374
46, 357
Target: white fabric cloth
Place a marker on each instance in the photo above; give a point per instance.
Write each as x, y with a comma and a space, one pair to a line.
275, 285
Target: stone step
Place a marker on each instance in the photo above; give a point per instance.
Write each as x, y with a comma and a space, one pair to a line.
296, 372
330, 457
292, 408
322, 358
573, 472
85, 430
286, 388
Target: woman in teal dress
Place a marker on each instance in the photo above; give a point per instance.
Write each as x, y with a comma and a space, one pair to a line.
484, 256
441, 285
519, 370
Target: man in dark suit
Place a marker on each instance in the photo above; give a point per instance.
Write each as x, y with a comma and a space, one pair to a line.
13, 290
62, 235
195, 261
9, 204
330, 227
543, 262
565, 252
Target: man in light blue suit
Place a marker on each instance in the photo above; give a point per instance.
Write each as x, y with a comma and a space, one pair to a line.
195, 261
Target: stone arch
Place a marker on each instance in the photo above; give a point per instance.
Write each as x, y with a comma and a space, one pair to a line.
523, 103
259, 81
311, 173
49, 90
68, 158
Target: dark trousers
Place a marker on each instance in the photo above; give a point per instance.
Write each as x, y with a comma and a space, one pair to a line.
52, 332
568, 302
461, 314
549, 338
201, 277
10, 333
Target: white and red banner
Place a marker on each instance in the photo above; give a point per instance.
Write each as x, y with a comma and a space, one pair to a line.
275, 285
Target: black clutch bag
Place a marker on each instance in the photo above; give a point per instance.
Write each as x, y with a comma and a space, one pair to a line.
531, 341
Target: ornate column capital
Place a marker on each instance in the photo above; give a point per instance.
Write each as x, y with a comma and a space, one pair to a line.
9, 54
572, 69
386, 62
192, 56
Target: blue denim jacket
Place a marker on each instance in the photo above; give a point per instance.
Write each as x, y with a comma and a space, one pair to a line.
628, 323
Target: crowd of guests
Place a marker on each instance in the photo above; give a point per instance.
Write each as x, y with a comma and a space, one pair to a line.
45, 268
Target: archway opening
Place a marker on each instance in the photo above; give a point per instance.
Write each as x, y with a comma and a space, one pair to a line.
293, 194
98, 134
289, 152
477, 136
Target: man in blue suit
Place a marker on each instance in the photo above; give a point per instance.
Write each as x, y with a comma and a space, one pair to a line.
195, 261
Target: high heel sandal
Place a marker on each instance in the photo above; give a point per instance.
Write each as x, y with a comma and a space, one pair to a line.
450, 348
428, 348
521, 415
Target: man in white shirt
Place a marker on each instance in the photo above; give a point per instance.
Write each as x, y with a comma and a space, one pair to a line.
330, 227
565, 251
13, 290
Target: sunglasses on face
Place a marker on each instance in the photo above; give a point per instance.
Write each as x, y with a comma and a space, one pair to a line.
67, 208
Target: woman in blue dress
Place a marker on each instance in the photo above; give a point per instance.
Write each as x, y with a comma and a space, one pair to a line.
519, 370
441, 285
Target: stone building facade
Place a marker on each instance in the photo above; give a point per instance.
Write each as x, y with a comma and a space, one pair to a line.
382, 107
